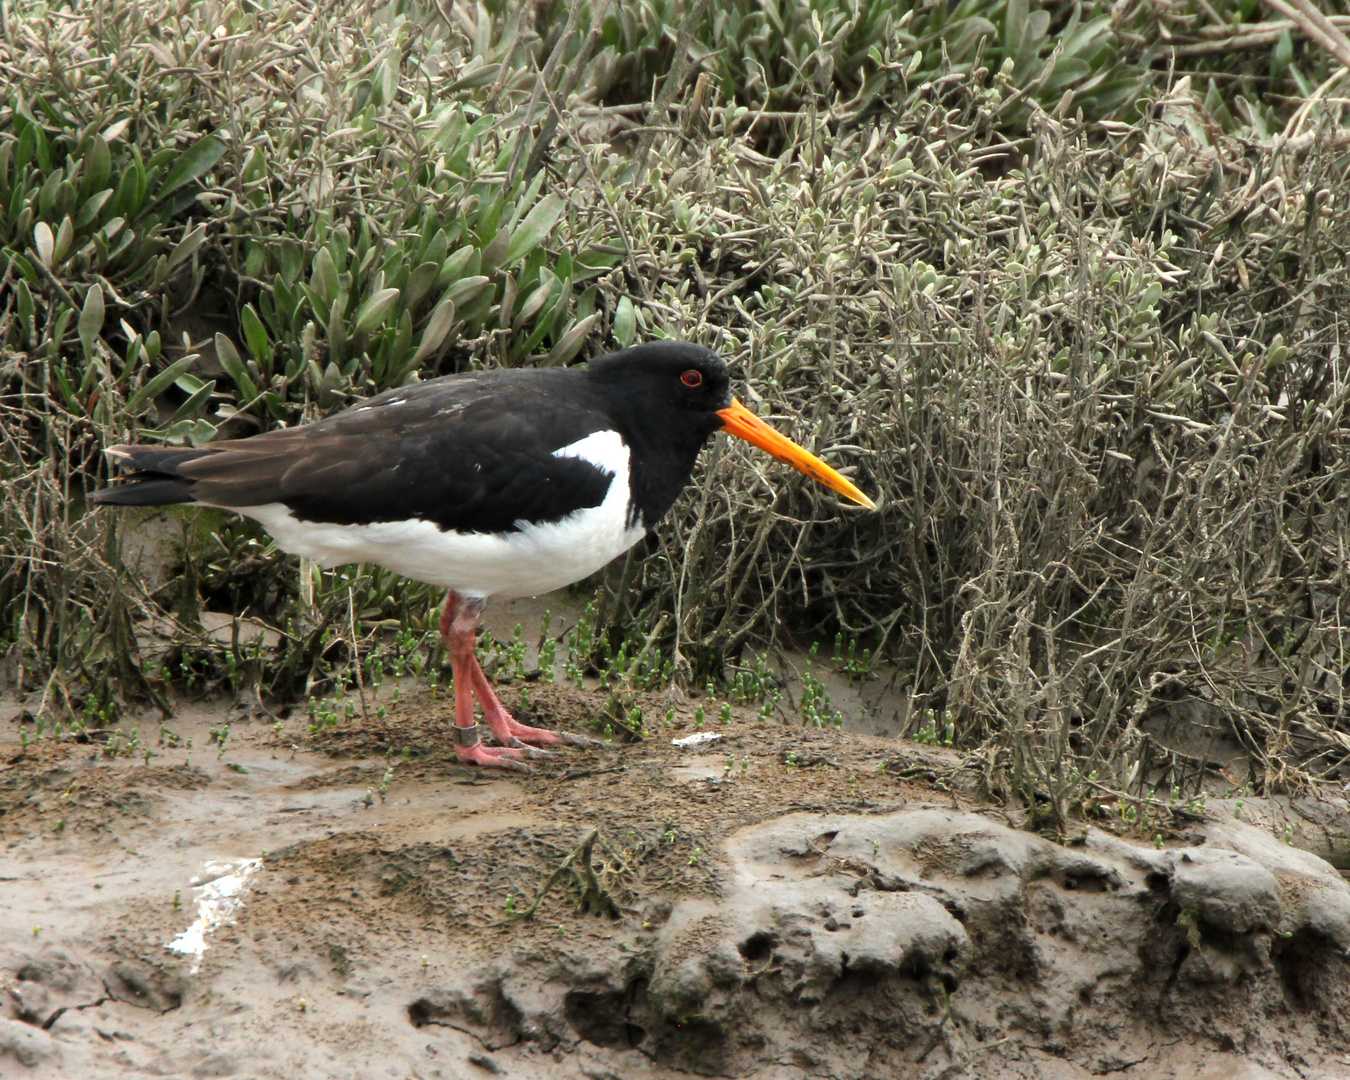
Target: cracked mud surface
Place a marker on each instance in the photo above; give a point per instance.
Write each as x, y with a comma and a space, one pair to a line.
783, 903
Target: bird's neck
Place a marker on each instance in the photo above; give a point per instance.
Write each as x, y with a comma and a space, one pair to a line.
659, 470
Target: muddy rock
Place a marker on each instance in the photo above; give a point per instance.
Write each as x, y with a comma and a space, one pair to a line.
1319, 825
698, 970
931, 927
25, 1044
811, 935
30, 1001
1314, 896
41, 986
144, 986
856, 946
53, 970
927, 916
1225, 890
505, 1005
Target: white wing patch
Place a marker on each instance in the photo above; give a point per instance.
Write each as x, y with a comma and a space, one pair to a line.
542, 557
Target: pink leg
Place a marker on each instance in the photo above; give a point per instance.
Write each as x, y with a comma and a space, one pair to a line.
459, 625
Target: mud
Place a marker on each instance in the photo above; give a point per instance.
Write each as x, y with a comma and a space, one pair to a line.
782, 902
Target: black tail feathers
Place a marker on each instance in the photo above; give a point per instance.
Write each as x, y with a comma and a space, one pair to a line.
154, 481
149, 491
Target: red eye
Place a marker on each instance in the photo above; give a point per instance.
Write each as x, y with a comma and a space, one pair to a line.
692, 378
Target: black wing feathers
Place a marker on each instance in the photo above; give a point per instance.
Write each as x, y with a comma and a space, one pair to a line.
470, 453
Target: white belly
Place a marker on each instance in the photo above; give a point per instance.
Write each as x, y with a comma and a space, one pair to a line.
538, 559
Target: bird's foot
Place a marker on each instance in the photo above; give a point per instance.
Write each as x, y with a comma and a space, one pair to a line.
509, 731
491, 758
519, 734
470, 750
532, 753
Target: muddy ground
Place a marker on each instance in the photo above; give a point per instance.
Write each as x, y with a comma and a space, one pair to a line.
781, 902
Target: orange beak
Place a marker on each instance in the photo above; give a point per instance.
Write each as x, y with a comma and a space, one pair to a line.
744, 424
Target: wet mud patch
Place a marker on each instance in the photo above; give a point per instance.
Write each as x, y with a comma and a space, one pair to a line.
772, 901
477, 891
346, 776
506, 874
59, 787
662, 809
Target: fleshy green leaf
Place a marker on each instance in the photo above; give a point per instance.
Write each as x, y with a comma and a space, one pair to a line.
478, 77
196, 401
65, 236
373, 310
44, 244
290, 256
571, 341
97, 164
255, 335
458, 264
625, 323
534, 303
496, 251
91, 316
442, 320
185, 248
141, 399
538, 223
47, 195
229, 359
90, 210
25, 301
465, 289
420, 282
337, 338
323, 278
197, 159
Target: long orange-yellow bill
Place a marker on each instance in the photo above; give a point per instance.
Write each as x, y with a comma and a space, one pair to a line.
744, 424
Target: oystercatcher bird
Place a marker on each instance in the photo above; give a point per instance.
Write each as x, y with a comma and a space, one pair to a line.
493, 483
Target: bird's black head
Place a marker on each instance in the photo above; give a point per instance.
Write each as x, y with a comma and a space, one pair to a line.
674, 385
663, 398
666, 398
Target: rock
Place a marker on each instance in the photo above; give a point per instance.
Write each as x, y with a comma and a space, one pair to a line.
78, 1025
483, 1011
1326, 912
698, 962
913, 913
852, 945
1225, 890
1314, 896
51, 968
31, 1001
214, 1065
1320, 825
28, 1045
144, 986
